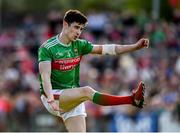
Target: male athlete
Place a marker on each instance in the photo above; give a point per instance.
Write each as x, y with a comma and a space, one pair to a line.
59, 62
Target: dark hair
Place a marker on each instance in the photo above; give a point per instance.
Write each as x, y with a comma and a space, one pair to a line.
75, 16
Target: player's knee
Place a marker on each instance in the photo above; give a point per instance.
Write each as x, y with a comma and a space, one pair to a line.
88, 91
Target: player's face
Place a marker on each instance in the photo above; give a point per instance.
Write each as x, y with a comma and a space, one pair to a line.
74, 31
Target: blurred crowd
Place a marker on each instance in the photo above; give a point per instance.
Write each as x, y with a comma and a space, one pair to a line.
158, 66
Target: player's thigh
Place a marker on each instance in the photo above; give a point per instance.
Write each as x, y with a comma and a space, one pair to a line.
76, 124
76, 95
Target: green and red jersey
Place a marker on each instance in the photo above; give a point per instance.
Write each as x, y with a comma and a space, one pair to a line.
65, 61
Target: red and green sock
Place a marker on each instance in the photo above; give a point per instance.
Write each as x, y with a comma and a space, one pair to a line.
108, 100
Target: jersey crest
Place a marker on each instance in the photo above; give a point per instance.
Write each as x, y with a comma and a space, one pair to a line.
76, 51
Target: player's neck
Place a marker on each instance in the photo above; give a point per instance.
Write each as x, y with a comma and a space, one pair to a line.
62, 38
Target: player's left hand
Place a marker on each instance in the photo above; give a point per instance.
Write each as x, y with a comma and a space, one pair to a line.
142, 43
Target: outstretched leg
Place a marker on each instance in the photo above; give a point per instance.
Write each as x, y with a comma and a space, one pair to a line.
70, 98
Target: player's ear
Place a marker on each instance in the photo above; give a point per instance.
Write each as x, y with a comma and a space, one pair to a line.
65, 24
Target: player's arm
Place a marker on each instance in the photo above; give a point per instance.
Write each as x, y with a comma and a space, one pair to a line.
45, 72
116, 49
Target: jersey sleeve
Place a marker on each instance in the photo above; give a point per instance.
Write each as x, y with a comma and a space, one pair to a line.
44, 54
85, 47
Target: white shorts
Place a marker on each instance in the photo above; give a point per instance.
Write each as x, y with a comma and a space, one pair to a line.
79, 110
